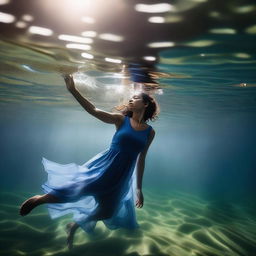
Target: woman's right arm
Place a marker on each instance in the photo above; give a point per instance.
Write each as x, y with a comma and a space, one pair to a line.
107, 117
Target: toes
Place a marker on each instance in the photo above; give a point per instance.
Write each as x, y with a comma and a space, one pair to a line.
70, 242
23, 208
27, 206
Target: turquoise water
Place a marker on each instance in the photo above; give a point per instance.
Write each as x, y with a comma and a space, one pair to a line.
199, 180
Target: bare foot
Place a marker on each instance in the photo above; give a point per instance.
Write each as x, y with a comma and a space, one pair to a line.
71, 229
70, 234
29, 205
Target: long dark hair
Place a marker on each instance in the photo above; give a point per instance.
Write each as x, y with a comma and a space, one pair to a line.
151, 112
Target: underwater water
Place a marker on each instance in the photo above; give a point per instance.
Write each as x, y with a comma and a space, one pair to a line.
199, 180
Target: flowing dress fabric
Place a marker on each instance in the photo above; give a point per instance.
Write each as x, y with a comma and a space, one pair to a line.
104, 187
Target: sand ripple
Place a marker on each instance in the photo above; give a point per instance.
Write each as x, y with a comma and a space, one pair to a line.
170, 224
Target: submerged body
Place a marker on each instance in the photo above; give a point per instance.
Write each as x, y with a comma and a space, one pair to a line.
103, 188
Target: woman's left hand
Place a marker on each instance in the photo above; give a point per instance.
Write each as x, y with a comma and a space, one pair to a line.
140, 199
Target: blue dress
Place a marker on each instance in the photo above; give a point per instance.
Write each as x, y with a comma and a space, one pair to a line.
104, 187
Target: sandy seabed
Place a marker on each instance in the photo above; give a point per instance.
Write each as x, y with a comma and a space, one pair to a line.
175, 224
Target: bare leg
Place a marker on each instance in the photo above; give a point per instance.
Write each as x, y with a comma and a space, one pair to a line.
34, 201
71, 229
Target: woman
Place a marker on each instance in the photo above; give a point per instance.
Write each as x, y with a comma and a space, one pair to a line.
102, 188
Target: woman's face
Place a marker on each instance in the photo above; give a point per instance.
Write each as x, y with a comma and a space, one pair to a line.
136, 102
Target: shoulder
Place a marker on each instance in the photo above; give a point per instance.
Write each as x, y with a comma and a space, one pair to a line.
152, 133
150, 139
119, 118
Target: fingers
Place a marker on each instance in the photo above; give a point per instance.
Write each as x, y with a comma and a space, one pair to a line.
69, 81
139, 204
66, 69
140, 200
67, 77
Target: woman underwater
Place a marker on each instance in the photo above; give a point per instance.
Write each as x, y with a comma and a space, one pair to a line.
102, 188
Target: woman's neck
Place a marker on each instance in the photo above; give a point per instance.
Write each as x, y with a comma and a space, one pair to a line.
138, 117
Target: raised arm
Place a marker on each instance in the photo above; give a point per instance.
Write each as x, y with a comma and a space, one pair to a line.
107, 117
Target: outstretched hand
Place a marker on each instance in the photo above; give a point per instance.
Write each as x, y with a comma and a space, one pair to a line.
140, 199
69, 82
